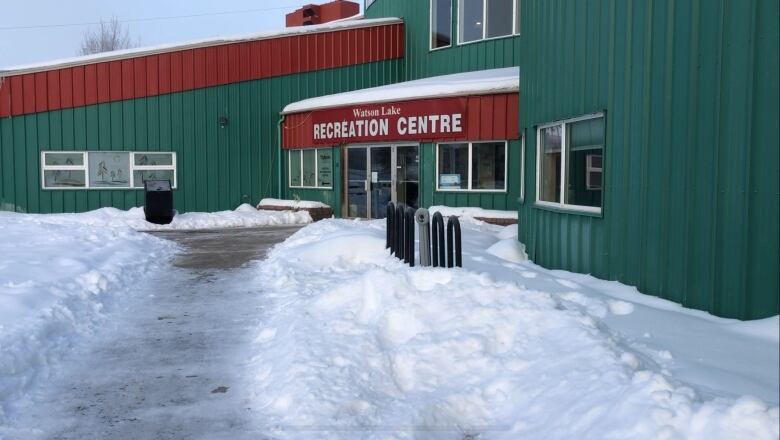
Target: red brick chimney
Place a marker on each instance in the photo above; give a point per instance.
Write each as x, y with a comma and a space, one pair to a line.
317, 14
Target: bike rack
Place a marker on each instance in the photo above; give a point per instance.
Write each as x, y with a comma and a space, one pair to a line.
424, 225
454, 241
437, 238
435, 250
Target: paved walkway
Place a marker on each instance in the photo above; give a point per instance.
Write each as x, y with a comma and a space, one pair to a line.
172, 365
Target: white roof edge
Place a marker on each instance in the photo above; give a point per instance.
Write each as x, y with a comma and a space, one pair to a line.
476, 83
355, 22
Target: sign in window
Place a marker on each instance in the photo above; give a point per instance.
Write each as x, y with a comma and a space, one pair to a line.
472, 166
311, 168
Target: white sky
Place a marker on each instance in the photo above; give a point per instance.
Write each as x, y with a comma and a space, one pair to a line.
22, 46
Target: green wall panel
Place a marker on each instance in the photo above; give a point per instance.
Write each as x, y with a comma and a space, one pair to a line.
690, 92
218, 168
691, 193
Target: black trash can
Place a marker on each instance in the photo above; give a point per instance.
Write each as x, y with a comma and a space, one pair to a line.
159, 201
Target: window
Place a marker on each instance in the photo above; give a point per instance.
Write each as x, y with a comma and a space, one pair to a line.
109, 169
441, 23
64, 170
570, 163
105, 169
153, 166
325, 168
593, 172
486, 19
471, 166
311, 168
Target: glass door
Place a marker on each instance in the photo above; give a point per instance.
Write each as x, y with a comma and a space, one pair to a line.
357, 185
379, 174
381, 180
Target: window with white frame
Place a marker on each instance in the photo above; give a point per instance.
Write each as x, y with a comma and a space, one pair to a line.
441, 24
311, 168
593, 172
486, 19
63, 170
471, 166
569, 163
105, 169
153, 166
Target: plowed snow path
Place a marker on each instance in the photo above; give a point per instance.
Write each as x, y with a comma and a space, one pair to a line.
173, 364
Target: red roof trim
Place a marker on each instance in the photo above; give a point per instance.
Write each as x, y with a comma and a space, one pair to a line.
157, 74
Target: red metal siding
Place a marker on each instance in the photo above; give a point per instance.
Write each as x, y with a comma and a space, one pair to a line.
78, 87
53, 85
152, 75
488, 117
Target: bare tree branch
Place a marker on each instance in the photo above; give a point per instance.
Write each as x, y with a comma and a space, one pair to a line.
109, 35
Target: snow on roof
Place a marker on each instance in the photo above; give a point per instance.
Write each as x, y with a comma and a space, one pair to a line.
347, 23
483, 82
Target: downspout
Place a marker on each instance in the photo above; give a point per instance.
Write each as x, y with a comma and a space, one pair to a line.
279, 162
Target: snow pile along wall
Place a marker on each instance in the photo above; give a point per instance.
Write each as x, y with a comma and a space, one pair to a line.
245, 216
58, 279
356, 342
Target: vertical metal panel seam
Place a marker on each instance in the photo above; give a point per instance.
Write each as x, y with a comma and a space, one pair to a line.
745, 283
693, 110
715, 272
666, 197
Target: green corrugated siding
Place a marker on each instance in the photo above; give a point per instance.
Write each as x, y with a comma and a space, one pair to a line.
691, 171
690, 90
218, 168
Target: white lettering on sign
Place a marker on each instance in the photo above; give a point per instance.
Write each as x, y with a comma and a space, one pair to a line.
379, 126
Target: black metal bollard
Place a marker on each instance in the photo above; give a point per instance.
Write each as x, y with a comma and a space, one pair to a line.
409, 223
390, 239
437, 240
399, 231
454, 241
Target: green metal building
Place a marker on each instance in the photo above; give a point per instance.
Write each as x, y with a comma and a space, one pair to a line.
645, 145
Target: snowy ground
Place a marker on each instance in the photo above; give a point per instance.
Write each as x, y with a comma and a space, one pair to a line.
355, 344
62, 275
331, 337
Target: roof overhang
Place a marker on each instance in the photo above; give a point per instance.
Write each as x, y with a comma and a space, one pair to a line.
482, 82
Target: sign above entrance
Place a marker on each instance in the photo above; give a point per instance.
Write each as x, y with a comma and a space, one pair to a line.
412, 120
473, 118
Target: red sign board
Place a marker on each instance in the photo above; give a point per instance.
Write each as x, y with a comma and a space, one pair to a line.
413, 120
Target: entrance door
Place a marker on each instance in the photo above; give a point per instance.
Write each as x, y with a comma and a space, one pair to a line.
378, 174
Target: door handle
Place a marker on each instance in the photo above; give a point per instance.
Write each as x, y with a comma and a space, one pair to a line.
368, 185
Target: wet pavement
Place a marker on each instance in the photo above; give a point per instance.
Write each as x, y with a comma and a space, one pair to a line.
173, 364
225, 248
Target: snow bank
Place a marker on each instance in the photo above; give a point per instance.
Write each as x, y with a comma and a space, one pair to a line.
483, 82
355, 342
294, 204
243, 216
57, 280
469, 212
